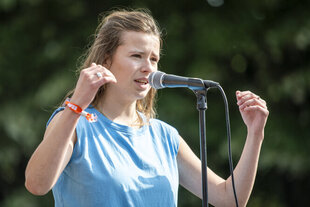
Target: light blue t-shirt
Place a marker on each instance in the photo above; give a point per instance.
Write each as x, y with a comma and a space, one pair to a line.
113, 165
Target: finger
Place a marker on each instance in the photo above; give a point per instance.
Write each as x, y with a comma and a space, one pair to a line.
257, 108
245, 95
108, 75
251, 102
244, 98
88, 70
97, 70
108, 79
247, 98
241, 94
92, 67
262, 101
95, 66
104, 80
91, 74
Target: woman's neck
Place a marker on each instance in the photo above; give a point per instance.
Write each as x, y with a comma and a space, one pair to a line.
119, 111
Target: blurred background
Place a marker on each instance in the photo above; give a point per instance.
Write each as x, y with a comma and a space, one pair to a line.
258, 45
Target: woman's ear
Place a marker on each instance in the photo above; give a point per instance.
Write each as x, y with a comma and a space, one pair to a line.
107, 63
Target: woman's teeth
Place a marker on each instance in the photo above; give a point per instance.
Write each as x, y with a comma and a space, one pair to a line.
141, 81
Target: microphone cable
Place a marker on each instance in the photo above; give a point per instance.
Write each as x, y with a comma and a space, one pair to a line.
231, 168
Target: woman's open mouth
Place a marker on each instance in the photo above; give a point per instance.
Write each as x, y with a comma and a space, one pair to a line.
142, 81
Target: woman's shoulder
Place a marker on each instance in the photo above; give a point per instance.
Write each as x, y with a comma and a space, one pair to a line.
162, 125
56, 112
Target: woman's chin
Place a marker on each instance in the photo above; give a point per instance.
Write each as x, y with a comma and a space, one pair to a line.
141, 95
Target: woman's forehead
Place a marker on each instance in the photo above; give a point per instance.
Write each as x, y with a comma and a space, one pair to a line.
140, 40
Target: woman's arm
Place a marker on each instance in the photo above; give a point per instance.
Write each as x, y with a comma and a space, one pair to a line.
254, 113
54, 152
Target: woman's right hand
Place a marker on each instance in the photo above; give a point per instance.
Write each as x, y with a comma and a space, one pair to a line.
89, 83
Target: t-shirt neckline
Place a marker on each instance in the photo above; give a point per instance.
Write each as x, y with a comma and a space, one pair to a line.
120, 127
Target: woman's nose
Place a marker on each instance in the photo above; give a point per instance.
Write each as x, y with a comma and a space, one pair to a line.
148, 67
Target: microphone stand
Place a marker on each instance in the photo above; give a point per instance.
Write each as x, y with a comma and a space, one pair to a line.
201, 95
199, 87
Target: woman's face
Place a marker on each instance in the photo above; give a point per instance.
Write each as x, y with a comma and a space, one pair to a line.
131, 64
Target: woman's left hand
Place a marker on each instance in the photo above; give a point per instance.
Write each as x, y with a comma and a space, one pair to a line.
253, 110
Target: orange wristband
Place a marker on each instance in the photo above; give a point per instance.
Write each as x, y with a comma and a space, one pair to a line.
77, 109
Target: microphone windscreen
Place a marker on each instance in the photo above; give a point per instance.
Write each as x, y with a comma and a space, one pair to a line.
155, 79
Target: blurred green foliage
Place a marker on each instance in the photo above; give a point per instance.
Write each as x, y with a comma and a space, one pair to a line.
258, 45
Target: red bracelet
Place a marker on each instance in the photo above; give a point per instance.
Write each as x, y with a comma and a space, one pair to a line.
77, 109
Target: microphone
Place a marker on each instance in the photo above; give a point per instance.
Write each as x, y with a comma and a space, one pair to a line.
159, 80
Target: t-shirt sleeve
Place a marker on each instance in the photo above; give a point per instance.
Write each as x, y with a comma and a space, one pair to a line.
169, 134
54, 114
174, 139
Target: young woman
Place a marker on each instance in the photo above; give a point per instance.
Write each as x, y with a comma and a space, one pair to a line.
118, 154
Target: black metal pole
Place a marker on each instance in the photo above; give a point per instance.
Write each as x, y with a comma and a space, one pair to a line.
201, 107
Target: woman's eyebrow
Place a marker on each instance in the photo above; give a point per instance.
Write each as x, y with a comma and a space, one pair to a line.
143, 52
136, 51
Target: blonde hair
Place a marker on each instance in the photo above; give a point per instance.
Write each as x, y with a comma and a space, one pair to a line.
108, 38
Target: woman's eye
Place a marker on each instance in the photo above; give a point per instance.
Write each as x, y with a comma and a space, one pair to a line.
136, 55
154, 60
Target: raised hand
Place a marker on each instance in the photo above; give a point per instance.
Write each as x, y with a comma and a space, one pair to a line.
90, 80
253, 110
